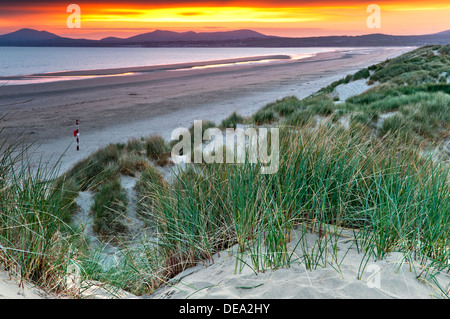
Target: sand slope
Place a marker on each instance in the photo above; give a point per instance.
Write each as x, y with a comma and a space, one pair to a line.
11, 288
392, 277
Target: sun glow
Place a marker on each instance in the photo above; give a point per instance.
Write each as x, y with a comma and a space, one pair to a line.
206, 14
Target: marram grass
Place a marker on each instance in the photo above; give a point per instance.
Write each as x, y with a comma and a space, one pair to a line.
332, 177
36, 240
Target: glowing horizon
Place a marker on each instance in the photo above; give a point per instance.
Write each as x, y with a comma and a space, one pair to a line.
282, 18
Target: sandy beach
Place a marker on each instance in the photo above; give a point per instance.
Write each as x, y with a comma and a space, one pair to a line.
115, 105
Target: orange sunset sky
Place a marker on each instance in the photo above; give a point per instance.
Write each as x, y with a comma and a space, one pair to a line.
297, 18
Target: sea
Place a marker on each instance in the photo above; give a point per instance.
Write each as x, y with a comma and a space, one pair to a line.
20, 61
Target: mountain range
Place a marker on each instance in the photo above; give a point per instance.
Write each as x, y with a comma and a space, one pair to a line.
237, 38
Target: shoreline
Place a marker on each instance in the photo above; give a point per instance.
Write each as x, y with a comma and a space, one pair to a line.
115, 109
121, 76
145, 69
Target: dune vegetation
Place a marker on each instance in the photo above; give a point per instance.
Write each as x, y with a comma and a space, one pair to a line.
376, 163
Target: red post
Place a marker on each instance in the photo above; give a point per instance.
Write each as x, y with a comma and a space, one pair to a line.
76, 134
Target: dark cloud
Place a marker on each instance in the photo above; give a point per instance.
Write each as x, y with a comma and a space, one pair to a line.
188, 14
28, 3
17, 10
143, 3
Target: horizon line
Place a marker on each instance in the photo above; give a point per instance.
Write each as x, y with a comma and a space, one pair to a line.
245, 29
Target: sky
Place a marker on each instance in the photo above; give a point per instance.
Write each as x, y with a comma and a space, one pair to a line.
294, 18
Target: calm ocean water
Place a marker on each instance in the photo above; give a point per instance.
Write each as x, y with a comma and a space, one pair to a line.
25, 61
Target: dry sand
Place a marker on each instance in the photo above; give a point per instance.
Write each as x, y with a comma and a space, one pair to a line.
12, 288
116, 108
347, 90
391, 278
